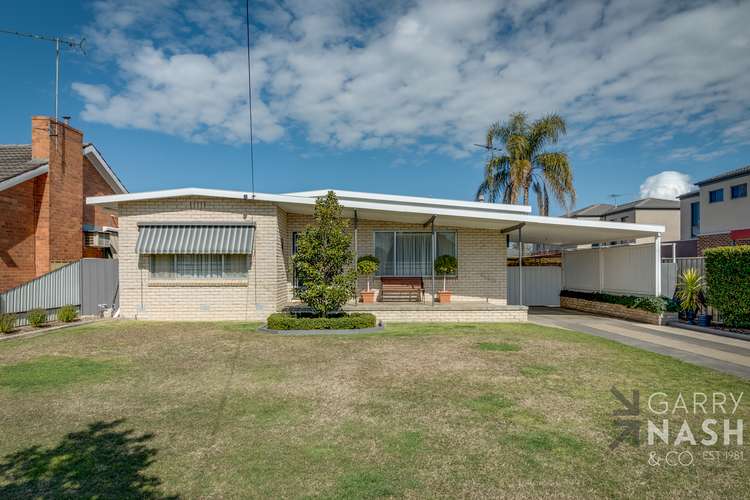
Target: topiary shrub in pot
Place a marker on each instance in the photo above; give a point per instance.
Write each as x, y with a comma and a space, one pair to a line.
368, 265
445, 265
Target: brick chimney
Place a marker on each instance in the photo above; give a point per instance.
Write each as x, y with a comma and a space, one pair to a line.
58, 196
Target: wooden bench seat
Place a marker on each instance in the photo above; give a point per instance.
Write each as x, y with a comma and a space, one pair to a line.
401, 289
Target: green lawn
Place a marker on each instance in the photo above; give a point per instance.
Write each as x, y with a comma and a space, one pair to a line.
158, 410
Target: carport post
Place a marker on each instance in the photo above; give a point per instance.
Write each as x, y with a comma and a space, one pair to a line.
657, 269
520, 268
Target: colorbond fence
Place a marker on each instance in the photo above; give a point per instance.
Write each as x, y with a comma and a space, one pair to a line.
88, 284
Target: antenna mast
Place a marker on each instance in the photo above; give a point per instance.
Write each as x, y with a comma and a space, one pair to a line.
58, 41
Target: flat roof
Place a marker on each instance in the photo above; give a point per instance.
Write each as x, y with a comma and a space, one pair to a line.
535, 228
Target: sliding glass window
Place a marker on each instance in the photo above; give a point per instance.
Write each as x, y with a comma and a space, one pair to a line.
410, 253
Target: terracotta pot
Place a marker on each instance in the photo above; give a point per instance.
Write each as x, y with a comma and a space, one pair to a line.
444, 297
368, 297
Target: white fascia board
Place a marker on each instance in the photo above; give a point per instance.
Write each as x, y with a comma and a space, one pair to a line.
103, 168
420, 200
484, 214
18, 179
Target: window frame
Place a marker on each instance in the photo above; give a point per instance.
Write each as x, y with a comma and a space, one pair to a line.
719, 198
695, 219
737, 186
379, 274
174, 275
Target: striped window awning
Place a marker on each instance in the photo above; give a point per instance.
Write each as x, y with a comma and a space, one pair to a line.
195, 238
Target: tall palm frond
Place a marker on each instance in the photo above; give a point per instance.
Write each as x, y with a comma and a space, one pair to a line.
527, 167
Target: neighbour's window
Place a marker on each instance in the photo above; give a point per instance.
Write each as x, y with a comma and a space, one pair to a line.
695, 219
716, 196
739, 191
197, 267
410, 253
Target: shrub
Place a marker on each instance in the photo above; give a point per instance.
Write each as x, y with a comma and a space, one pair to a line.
655, 305
67, 313
690, 291
727, 279
323, 255
36, 317
285, 321
7, 323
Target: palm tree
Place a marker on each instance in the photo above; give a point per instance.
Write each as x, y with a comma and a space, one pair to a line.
526, 165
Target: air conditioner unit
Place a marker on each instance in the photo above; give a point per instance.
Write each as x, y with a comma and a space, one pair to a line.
99, 240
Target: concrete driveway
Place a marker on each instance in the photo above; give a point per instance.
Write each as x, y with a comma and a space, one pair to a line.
720, 353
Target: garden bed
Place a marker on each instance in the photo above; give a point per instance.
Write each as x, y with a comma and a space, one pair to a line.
642, 309
281, 322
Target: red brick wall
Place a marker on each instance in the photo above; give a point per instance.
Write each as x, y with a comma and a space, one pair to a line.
95, 185
717, 240
17, 240
41, 215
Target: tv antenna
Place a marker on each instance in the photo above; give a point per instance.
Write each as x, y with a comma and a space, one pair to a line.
614, 197
59, 42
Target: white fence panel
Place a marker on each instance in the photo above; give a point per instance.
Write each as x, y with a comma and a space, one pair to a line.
541, 285
581, 270
624, 270
629, 270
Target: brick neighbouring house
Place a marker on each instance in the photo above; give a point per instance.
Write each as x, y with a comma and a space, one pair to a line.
44, 220
718, 212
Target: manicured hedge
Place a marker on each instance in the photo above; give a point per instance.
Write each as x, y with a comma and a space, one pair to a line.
655, 305
284, 321
728, 283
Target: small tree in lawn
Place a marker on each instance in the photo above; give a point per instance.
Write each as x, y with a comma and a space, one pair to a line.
323, 255
445, 265
368, 265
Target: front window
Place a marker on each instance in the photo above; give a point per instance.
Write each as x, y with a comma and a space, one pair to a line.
716, 196
695, 219
199, 267
739, 191
410, 253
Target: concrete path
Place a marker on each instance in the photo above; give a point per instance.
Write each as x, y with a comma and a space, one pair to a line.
720, 353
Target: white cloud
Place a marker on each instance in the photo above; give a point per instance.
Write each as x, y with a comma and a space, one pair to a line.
437, 72
667, 185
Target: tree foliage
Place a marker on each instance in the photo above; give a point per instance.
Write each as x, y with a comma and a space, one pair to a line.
445, 265
367, 265
526, 165
728, 283
324, 257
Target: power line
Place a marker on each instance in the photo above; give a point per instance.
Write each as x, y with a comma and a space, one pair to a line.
250, 96
57, 40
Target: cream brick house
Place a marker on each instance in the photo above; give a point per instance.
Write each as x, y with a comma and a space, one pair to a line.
200, 254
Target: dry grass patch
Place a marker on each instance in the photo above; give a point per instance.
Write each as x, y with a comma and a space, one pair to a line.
219, 410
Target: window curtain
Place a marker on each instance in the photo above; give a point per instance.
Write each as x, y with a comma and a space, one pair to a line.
413, 254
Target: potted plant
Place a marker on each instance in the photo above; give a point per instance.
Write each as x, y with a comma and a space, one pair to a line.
368, 265
445, 265
690, 294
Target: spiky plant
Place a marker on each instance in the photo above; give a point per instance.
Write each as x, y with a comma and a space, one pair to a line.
690, 291
526, 165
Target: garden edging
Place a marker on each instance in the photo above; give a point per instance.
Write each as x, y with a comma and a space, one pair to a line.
617, 311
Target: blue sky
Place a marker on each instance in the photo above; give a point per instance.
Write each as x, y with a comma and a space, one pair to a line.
388, 96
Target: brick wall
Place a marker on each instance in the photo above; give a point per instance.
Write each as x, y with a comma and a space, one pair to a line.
41, 219
616, 310
481, 258
237, 300
17, 237
717, 240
